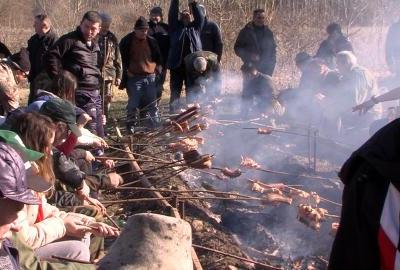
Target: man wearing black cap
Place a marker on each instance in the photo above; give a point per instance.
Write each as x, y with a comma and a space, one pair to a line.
159, 30
13, 70
335, 43
77, 52
141, 61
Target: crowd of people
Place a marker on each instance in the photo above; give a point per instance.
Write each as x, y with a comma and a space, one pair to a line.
49, 149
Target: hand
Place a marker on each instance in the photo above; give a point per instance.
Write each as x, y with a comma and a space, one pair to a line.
98, 204
109, 163
102, 229
363, 108
117, 82
103, 120
89, 157
115, 180
84, 192
83, 119
99, 143
75, 227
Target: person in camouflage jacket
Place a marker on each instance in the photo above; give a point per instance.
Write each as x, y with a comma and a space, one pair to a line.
109, 61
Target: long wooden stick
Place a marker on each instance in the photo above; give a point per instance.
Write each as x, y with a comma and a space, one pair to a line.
70, 260
184, 191
267, 266
105, 213
297, 175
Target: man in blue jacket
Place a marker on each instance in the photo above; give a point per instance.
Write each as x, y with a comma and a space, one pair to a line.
185, 39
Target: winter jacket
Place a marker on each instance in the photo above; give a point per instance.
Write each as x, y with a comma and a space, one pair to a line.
393, 47
48, 230
366, 176
72, 53
125, 46
4, 51
328, 50
26, 259
179, 33
110, 63
159, 31
37, 48
213, 67
9, 92
211, 38
247, 46
66, 170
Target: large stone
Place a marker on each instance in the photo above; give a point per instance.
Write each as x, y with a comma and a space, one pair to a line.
151, 241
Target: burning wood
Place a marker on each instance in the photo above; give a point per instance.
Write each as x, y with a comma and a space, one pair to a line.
312, 217
264, 131
249, 163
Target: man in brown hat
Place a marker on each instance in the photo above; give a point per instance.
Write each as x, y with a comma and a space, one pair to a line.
141, 61
13, 70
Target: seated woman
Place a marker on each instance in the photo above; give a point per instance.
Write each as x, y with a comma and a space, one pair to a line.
44, 226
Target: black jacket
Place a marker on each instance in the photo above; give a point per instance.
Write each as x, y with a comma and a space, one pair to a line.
211, 38
159, 31
37, 48
366, 176
328, 49
125, 46
71, 53
179, 33
4, 51
247, 45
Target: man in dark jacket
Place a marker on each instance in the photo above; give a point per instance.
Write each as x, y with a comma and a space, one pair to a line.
109, 61
368, 234
336, 42
185, 39
203, 74
211, 37
77, 52
38, 45
141, 61
256, 45
159, 30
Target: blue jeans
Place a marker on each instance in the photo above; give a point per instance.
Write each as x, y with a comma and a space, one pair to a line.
91, 103
142, 96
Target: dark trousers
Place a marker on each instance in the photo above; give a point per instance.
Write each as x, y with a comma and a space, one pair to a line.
142, 97
160, 80
178, 77
91, 103
256, 98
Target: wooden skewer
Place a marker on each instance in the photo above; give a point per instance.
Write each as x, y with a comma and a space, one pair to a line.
105, 213
70, 260
266, 266
184, 191
332, 216
297, 175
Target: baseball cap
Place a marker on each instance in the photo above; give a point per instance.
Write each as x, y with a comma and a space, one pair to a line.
61, 111
15, 141
13, 184
34, 181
